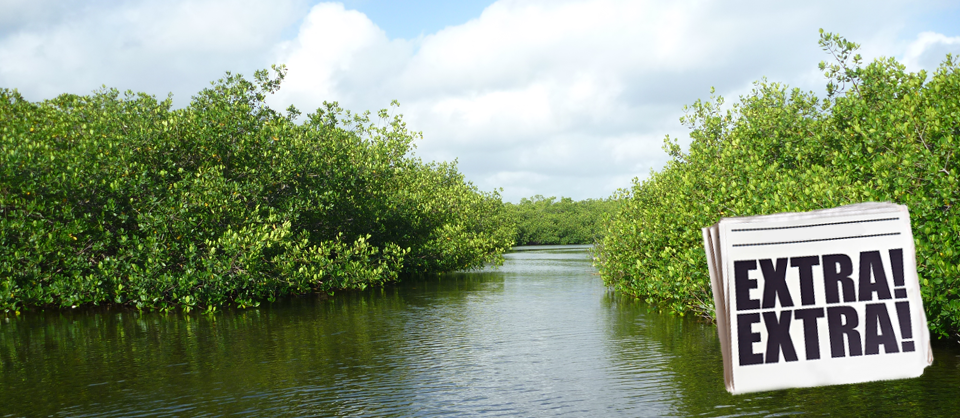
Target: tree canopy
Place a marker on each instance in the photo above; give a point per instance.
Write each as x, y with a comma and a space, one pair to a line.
548, 221
881, 134
119, 199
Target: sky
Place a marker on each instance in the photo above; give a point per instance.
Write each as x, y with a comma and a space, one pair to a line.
553, 97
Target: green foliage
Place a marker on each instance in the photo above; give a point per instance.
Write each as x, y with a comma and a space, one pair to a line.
883, 134
546, 221
119, 199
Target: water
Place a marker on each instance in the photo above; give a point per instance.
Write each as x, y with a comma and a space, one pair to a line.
540, 336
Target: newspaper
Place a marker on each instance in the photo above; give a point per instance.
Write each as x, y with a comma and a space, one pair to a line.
817, 298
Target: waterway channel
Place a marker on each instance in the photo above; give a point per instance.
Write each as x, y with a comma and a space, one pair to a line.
539, 336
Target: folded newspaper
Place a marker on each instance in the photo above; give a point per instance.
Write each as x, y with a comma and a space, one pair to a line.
817, 298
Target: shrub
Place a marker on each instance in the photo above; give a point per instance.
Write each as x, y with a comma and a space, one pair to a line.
120, 199
882, 134
547, 221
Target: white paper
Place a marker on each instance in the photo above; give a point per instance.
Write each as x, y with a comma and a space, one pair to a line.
844, 278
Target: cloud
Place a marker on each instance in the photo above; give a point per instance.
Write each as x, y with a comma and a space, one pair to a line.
154, 46
338, 55
580, 92
929, 50
551, 97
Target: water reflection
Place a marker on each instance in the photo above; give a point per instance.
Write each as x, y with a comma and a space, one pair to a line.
539, 336
691, 353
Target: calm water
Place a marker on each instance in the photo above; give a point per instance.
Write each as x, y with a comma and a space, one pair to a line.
540, 336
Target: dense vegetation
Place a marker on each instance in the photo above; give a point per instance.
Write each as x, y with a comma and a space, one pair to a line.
119, 199
548, 221
882, 134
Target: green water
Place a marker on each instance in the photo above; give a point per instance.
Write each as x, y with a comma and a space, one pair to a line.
540, 336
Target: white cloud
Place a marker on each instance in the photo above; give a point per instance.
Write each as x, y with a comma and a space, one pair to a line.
582, 88
334, 47
544, 97
929, 50
153, 46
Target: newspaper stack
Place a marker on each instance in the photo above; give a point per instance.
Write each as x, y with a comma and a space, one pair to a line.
817, 298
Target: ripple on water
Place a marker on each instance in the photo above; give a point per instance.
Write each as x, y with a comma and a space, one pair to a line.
540, 336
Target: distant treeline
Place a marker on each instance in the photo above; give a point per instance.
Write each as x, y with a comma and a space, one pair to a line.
882, 134
118, 199
548, 221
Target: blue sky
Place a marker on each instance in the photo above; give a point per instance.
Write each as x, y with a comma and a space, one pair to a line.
553, 97
409, 19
